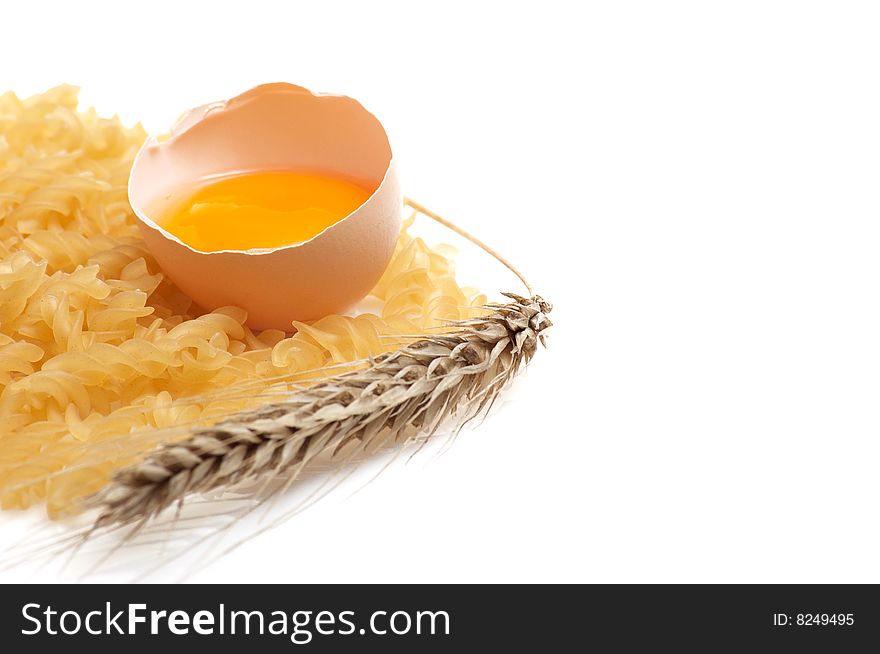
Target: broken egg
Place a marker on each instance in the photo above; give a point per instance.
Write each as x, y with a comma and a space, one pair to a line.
281, 201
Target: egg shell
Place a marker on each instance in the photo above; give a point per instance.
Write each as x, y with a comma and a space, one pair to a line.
274, 127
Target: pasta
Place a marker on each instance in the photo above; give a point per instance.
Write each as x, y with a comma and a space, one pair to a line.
96, 347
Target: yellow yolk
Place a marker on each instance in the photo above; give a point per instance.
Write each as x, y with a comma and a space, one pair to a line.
263, 210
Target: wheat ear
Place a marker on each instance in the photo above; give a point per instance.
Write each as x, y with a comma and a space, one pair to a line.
455, 374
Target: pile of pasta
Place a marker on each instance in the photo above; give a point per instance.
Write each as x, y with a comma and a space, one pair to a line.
98, 349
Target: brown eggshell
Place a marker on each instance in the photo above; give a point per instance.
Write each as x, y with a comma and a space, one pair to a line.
274, 127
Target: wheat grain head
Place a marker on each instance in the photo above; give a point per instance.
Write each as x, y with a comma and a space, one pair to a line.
456, 374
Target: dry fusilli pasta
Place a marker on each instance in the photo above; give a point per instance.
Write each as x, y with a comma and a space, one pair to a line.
96, 346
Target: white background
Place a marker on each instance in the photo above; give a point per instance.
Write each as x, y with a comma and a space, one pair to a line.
694, 185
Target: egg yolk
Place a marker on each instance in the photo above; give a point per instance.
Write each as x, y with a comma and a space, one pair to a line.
263, 210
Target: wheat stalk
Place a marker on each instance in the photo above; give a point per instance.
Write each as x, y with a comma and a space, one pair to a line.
419, 387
